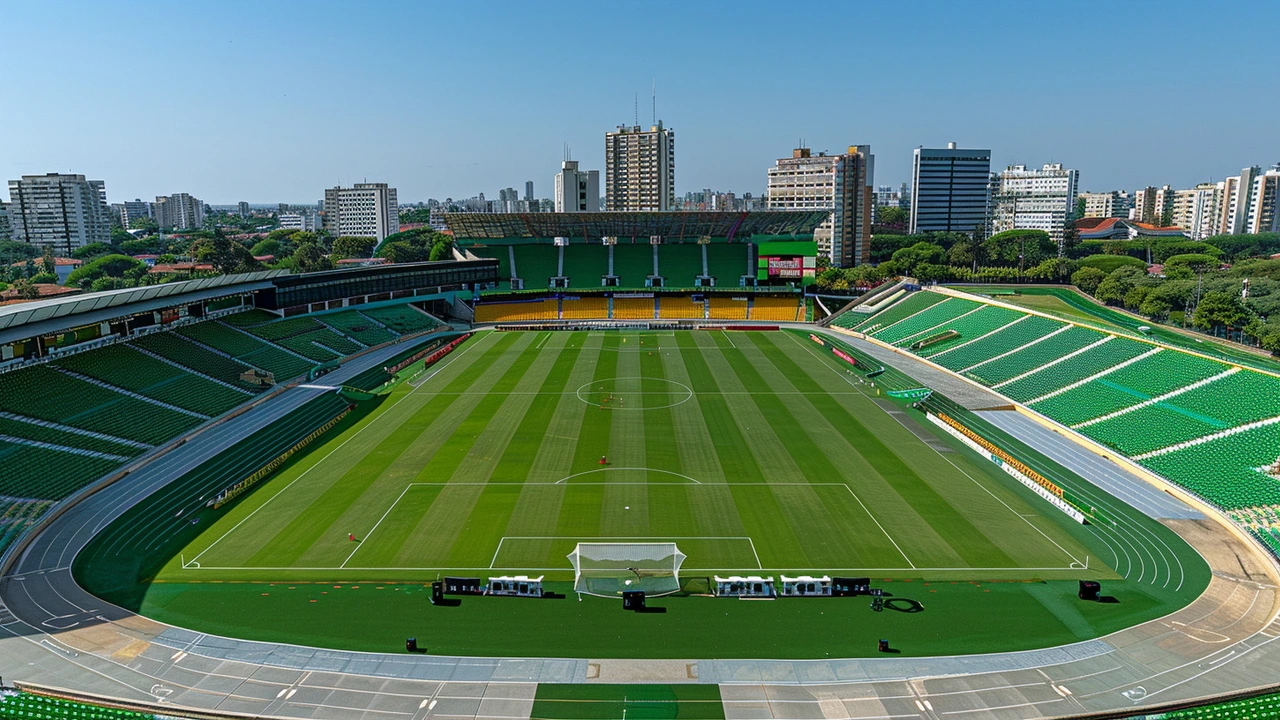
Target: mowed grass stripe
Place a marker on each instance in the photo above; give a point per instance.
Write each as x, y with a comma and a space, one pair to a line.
580, 511
362, 500
826, 417
861, 460
464, 524
805, 508
777, 542
966, 515
493, 513
285, 516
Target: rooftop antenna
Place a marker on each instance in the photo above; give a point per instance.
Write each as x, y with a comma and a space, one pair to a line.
637, 109
655, 101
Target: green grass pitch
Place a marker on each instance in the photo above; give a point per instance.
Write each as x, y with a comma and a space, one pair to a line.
756, 452
749, 451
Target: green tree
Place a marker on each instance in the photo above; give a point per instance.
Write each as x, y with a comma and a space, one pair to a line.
1019, 248
907, 259
26, 289
1117, 284
48, 263
275, 248
1220, 309
144, 223
891, 215
117, 266
224, 254
1087, 279
309, 257
92, 250
349, 246
403, 252
1189, 265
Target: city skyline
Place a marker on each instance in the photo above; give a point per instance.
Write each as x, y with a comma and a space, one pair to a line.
439, 119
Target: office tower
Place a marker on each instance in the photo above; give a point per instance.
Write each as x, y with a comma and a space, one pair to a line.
1035, 199
640, 168
63, 212
950, 190
577, 190
528, 191
363, 210
844, 184
243, 208
179, 211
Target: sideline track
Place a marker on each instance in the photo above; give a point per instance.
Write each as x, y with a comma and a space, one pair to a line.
51, 631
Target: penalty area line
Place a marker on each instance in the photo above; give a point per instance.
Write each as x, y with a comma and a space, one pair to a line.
331, 452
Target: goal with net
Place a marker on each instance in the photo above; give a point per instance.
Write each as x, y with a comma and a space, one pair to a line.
609, 569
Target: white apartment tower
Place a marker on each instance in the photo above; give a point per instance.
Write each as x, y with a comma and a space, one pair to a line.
640, 168
844, 184
1035, 199
577, 190
1262, 215
364, 210
63, 212
1106, 204
179, 211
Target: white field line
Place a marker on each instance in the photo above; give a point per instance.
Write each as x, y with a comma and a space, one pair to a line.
790, 570
1105, 339
329, 454
886, 327
988, 491
1095, 376
898, 343
1209, 438
1160, 398
983, 336
643, 538
375, 526
851, 492
726, 337
1037, 341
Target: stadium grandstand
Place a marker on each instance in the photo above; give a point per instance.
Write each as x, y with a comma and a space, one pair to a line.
624, 266
92, 384
1208, 426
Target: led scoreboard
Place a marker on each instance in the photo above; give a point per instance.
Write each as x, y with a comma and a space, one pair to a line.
789, 262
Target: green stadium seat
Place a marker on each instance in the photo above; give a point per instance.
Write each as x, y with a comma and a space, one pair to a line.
403, 319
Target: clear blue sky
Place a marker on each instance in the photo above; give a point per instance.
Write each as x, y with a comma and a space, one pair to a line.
272, 101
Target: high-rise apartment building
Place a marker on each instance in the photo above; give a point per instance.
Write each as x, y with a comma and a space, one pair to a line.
1233, 213
308, 220
842, 183
63, 212
1262, 215
5, 231
133, 210
1106, 204
577, 190
1035, 199
1206, 202
364, 210
640, 168
179, 211
242, 208
1153, 205
951, 189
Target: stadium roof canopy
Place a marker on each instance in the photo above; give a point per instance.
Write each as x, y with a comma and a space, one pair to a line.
55, 314
670, 226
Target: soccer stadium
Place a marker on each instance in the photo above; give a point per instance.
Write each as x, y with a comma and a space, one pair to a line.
609, 464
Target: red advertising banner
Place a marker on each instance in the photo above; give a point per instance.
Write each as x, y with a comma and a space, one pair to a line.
844, 356
816, 339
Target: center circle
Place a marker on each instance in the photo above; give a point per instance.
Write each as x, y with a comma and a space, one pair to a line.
639, 393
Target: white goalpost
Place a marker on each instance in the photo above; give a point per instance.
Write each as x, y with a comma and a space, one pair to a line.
609, 569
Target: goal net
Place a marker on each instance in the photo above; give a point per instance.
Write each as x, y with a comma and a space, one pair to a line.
609, 569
